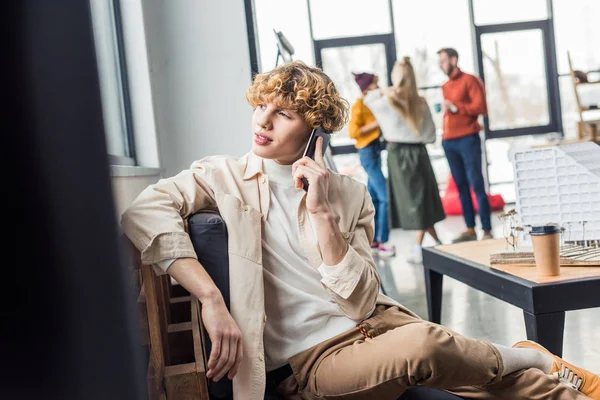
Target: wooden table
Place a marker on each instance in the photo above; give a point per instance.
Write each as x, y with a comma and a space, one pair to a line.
543, 301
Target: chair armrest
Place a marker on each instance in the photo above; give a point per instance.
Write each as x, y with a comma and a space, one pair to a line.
208, 234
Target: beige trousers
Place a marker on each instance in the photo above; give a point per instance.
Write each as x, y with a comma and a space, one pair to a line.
392, 351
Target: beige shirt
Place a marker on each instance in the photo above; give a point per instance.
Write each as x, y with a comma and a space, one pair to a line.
239, 189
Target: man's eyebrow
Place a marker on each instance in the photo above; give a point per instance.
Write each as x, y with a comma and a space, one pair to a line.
284, 109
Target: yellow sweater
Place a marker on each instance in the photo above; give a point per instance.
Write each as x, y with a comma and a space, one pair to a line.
361, 116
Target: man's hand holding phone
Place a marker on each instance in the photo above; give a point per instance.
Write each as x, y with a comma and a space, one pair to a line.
331, 241
317, 175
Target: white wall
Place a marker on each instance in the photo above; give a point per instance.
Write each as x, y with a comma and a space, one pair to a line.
199, 72
127, 188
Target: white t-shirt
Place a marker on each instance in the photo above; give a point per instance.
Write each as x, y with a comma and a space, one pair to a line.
300, 313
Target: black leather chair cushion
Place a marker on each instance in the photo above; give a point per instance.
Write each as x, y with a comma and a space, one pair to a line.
423, 393
209, 238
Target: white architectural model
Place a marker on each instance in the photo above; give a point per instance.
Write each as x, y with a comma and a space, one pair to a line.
560, 184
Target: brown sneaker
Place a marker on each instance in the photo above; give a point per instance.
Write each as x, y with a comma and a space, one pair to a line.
487, 235
466, 236
575, 377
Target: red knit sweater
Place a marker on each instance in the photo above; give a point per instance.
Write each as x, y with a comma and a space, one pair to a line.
468, 94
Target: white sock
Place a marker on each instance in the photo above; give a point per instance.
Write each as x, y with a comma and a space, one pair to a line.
516, 359
417, 251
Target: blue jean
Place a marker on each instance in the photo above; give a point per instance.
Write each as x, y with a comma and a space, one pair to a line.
370, 159
464, 159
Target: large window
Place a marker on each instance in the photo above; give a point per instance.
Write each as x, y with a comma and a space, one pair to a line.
515, 79
518, 67
113, 81
292, 21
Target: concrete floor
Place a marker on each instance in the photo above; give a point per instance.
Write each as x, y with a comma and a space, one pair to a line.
478, 315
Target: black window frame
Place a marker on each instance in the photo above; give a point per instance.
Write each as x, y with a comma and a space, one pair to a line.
550, 63
129, 134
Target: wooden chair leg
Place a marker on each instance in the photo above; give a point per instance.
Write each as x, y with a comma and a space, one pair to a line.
156, 367
164, 307
580, 130
188, 380
154, 386
593, 131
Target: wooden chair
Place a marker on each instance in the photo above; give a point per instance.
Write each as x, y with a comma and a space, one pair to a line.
586, 128
178, 345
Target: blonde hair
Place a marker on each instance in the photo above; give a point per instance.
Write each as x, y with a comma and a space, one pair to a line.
303, 89
404, 96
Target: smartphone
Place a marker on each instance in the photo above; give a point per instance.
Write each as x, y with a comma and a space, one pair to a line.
311, 147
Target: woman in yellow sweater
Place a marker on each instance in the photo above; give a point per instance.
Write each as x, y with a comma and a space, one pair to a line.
365, 130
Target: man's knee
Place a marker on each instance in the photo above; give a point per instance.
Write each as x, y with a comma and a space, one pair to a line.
478, 184
427, 342
460, 177
474, 175
462, 186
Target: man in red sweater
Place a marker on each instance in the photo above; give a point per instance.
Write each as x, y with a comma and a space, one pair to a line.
464, 101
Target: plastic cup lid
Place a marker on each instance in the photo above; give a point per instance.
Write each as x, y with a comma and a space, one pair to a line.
544, 230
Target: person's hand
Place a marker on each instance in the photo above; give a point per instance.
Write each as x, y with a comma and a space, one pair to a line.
317, 175
370, 127
226, 338
448, 107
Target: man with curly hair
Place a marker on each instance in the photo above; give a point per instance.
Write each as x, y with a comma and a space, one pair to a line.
306, 316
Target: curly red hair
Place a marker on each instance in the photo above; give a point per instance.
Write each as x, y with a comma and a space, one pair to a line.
303, 89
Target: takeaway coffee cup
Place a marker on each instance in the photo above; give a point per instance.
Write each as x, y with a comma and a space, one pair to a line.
546, 249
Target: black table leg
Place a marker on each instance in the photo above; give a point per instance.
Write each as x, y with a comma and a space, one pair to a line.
546, 329
433, 286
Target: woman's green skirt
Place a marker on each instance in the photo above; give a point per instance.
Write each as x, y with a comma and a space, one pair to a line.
413, 196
